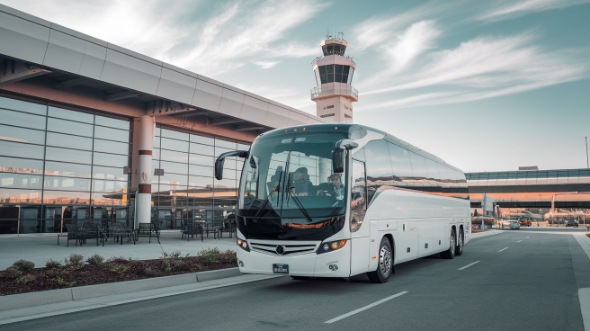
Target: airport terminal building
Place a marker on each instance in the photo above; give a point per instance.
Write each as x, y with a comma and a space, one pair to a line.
90, 130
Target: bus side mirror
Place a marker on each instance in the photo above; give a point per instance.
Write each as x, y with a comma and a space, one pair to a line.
338, 161
221, 160
338, 155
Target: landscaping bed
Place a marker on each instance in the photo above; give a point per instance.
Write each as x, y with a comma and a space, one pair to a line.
23, 277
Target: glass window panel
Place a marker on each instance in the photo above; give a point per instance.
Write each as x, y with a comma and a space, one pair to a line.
230, 145
66, 183
243, 147
171, 187
64, 126
65, 197
432, 169
156, 153
201, 149
113, 173
158, 132
12, 180
68, 155
173, 156
172, 179
232, 173
23, 106
201, 159
172, 167
175, 145
419, 168
9, 148
202, 140
175, 134
111, 134
23, 166
201, 170
111, 159
200, 181
111, 146
112, 122
12, 133
226, 183
66, 140
380, 166
67, 169
71, 115
21, 119
400, 161
109, 186
13, 195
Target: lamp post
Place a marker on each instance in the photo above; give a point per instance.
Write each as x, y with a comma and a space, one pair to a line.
586, 138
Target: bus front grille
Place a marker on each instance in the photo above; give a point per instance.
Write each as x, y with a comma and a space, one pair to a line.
279, 249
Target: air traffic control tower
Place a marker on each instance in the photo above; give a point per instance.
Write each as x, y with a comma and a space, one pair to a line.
334, 93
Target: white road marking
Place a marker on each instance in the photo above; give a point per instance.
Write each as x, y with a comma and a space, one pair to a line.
469, 265
519, 241
503, 249
335, 319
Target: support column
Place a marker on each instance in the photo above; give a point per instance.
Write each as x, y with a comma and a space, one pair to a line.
144, 170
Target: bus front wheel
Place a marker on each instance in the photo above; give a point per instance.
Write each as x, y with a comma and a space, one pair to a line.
385, 265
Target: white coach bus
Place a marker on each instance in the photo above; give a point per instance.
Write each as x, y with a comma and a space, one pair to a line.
338, 200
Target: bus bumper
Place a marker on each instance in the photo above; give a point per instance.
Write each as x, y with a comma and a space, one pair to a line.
331, 264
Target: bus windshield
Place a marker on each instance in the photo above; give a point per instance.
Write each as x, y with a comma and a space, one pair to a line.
288, 190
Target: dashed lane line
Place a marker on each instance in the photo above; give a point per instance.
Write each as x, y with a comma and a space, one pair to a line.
356, 311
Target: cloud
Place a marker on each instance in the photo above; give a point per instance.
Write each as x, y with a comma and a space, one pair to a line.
510, 9
482, 68
266, 64
239, 32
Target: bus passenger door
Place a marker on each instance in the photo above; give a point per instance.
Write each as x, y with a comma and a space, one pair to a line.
359, 227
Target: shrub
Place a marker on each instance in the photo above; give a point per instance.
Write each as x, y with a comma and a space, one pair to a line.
12, 273
24, 266
209, 256
52, 264
75, 261
95, 260
24, 279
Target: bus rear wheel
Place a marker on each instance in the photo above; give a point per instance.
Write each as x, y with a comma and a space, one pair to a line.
450, 253
385, 265
460, 244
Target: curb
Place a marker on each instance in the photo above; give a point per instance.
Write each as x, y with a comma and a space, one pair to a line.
26, 300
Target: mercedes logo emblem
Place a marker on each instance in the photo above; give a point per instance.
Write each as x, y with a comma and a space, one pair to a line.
280, 250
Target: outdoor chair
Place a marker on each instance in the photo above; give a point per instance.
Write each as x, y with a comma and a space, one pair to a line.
120, 230
148, 230
192, 229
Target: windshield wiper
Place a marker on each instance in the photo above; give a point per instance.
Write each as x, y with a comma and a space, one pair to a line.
298, 203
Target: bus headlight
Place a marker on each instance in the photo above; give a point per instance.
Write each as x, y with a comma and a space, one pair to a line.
331, 246
243, 244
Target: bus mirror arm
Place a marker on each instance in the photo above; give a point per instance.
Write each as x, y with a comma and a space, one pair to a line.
338, 154
221, 160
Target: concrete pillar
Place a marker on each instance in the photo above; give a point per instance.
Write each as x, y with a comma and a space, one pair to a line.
144, 170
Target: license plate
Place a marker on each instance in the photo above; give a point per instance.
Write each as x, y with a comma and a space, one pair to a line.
280, 268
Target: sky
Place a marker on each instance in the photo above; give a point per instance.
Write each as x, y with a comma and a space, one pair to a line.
485, 85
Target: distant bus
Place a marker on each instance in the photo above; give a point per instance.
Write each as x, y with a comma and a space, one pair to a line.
338, 200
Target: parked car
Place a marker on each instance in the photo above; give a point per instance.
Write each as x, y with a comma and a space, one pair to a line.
571, 223
514, 225
525, 222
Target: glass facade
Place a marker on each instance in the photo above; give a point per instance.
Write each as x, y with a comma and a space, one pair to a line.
59, 165
188, 190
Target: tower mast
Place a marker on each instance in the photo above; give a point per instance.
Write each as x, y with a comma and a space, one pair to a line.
333, 71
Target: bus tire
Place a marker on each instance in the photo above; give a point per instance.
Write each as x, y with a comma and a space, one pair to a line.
450, 253
460, 243
385, 263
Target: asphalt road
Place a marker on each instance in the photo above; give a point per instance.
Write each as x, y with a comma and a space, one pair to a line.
517, 280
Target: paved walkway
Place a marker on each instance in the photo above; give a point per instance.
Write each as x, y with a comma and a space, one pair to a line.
40, 248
